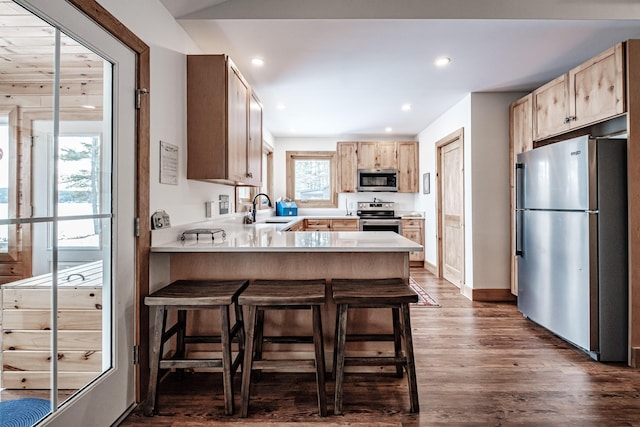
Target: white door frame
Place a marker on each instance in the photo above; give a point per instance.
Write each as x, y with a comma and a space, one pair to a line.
117, 384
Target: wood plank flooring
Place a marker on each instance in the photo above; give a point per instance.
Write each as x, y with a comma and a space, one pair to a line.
478, 364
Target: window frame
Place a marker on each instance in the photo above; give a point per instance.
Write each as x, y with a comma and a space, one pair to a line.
292, 156
12, 113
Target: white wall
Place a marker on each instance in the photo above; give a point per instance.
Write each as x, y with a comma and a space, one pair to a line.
490, 192
484, 118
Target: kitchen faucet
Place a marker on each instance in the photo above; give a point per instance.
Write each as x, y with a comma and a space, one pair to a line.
253, 205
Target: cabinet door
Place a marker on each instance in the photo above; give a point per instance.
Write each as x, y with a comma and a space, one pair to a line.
551, 108
408, 169
386, 155
597, 88
377, 155
413, 229
347, 167
317, 225
367, 155
520, 140
254, 145
237, 126
349, 224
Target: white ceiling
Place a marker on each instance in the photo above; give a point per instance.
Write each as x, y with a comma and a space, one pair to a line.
351, 76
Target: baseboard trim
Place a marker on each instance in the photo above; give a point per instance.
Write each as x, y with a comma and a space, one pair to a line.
488, 295
634, 361
431, 268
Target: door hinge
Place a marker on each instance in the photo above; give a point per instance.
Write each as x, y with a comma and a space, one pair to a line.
136, 227
136, 354
139, 93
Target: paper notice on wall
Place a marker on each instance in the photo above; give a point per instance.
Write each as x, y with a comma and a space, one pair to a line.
168, 163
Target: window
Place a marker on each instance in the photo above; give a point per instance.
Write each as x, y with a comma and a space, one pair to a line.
311, 178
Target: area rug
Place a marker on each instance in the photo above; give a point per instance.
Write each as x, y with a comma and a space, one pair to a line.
424, 299
23, 412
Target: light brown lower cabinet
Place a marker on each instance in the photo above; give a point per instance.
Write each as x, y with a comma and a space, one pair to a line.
413, 229
346, 224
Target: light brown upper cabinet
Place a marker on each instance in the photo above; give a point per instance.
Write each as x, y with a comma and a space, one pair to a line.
402, 156
589, 93
254, 146
408, 172
520, 140
347, 167
377, 155
224, 142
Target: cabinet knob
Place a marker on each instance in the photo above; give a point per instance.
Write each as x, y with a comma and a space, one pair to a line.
249, 174
569, 119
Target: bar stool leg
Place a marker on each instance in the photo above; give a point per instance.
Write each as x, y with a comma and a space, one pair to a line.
248, 361
411, 365
335, 348
227, 374
160, 319
397, 339
259, 340
240, 322
341, 338
320, 368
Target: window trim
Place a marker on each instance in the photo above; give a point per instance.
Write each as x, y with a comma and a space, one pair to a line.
292, 156
12, 253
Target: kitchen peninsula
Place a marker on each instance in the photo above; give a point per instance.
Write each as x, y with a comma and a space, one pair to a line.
266, 251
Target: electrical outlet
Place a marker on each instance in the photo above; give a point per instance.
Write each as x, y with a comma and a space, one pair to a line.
223, 200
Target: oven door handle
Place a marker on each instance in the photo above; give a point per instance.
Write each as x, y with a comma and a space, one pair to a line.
381, 221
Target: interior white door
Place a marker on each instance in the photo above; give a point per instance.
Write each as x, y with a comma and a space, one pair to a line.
106, 398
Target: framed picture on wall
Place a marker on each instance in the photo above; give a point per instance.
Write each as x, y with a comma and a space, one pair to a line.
426, 183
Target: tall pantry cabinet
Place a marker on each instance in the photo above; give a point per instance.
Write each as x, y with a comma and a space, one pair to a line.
224, 123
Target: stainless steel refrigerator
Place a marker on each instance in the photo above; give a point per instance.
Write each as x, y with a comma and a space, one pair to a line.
571, 242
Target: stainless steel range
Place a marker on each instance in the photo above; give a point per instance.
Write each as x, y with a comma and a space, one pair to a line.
378, 216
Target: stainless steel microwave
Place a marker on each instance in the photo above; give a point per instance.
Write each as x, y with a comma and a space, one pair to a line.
377, 179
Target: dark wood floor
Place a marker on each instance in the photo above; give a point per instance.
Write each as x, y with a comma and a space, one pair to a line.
479, 364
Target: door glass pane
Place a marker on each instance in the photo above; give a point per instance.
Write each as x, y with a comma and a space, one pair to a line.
4, 182
60, 336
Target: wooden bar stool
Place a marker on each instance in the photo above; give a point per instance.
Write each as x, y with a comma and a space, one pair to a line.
374, 293
264, 295
183, 295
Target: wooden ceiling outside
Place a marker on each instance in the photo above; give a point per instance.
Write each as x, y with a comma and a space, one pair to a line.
27, 47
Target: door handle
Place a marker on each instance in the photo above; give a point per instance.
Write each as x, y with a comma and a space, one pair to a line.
519, 229
518, 181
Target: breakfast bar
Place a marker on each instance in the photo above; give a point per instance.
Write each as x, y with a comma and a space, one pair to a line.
264, 251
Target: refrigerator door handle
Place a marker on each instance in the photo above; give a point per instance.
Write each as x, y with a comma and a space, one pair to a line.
519, 232
518, 181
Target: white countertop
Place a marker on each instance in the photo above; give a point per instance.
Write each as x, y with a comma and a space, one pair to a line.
266, 237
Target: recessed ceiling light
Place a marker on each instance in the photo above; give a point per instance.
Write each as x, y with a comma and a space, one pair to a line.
89, 107
281, 106
258, 62
442, 61
388, 129
406, 107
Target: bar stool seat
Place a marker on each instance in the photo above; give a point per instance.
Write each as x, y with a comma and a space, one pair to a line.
183, 295
392, 293
264, 295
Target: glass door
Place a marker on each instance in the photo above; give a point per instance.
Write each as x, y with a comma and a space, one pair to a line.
67, 135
